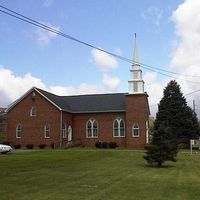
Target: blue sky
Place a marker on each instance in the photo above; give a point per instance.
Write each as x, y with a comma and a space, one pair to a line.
30, 56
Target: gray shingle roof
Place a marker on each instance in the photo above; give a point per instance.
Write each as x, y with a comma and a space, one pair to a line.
88, 103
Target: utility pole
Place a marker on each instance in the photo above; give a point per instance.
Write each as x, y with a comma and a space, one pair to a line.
193, 105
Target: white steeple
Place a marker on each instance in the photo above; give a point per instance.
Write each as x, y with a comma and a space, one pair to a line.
135, 55
136, 84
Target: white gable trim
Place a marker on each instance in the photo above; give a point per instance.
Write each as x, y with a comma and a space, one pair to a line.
48, 99
12, 105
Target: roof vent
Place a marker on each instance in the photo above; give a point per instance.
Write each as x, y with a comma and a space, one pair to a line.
33, 95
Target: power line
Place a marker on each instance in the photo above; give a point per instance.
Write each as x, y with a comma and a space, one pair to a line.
152, 105
192, 92
48, 28
150, 69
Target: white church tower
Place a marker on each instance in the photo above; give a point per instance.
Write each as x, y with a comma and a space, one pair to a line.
136, 84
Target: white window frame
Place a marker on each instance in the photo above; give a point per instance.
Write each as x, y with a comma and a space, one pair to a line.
47, 131
119, 128
18, 131
93, 130
134, 128
33, 112
64, 130
147, 132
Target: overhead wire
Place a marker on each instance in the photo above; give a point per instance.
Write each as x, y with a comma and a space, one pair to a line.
53, 30
192, 92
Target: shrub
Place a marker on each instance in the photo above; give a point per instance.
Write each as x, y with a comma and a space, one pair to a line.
98, 144
1, 140
17, 146
42, 146
104, 145
52, 145
6, 143
112, 145
29, 146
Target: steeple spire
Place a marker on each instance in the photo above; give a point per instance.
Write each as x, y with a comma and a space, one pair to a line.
136, 84
135, 53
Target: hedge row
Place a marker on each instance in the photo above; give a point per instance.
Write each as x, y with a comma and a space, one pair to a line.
29, 146
105, 145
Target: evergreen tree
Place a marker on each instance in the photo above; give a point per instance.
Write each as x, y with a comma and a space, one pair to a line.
175, 123
162, 148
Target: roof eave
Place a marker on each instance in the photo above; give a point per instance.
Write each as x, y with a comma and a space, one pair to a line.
12, 105
58, 107
95, 111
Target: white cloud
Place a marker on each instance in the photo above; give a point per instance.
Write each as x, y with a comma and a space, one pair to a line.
154, 90
153, 14
84, 88
104, 61
112, 83
12, 87
186, 57
43, 36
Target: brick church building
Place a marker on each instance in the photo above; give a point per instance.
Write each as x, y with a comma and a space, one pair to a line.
40, 117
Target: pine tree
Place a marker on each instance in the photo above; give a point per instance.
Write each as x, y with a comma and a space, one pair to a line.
175, 123
162, 148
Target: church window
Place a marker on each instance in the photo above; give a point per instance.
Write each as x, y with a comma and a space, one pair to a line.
92, 128
47, 131
118, 128
19, 131
135, 130
64, 131
33, 112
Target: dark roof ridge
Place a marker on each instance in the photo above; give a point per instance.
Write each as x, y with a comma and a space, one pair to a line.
90, 95
108, 102
45, 91
76, 95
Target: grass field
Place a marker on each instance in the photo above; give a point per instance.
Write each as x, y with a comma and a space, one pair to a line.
96, 174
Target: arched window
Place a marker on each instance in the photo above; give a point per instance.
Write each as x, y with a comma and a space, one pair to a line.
118, 128
135, 130
92, 128
47, 131
95, 129
64, 131
33, 112
19, 131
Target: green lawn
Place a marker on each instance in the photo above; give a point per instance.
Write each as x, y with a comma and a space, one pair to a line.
96, 174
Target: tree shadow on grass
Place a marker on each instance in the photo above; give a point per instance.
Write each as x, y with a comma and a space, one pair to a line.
165, 166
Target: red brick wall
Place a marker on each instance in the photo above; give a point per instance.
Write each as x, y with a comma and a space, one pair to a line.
33, 127
136, 112
105, 128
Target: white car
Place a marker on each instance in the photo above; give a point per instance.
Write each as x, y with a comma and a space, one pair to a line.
5, 148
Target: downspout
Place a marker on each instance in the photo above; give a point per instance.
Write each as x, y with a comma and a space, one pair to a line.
61, 122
